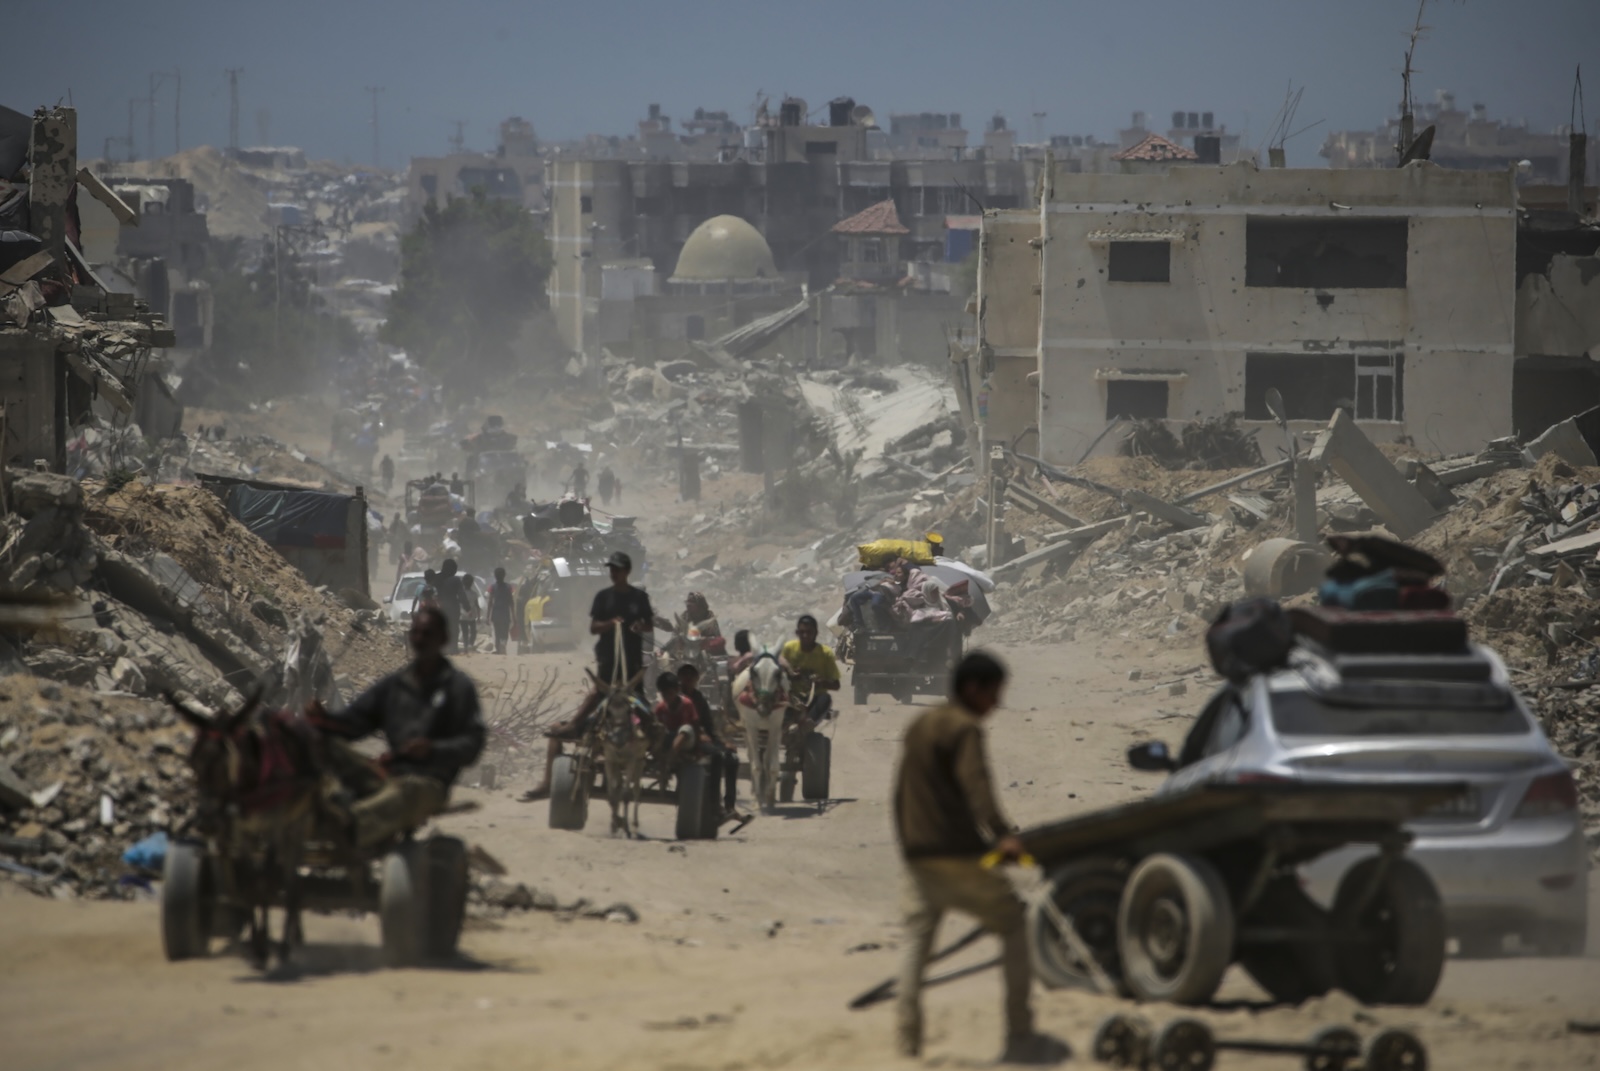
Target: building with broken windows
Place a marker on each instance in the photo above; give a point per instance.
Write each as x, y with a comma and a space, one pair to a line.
80, 364
513, 172
1197, 291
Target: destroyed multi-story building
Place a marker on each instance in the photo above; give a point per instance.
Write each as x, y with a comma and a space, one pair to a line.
1436, 305
77, 360
1198, 291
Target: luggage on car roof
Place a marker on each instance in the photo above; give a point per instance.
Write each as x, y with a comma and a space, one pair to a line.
1249, 636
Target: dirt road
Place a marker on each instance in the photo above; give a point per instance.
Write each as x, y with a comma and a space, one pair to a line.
747, 948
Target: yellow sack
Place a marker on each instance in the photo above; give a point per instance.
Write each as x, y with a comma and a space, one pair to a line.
881, 552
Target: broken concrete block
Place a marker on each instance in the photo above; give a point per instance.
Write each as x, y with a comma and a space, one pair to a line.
36, 491
127, 677
1282, 567
15, 795
1575, 440
1344, 448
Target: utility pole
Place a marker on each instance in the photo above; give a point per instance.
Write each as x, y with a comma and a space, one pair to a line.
150, 115
376, 145
133, 155
458, 140
177, 110
233, 107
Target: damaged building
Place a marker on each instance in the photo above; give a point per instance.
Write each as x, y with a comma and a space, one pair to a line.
1199, 291
80, 363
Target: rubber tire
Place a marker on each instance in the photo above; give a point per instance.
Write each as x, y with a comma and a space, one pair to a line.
1093, 888
1291, 972
692, 796
447, 895
786, 788
185, 914
1208, 931
859, 688
1408, 909
403, 906
566, 812
712, 809
816, 767
1183, 1045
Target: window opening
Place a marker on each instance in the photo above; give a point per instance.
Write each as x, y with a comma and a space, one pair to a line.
1140, 262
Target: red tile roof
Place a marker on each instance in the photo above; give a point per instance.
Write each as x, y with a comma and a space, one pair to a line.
1156, 149
880, 218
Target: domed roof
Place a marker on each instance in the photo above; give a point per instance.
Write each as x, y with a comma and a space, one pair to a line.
725, 247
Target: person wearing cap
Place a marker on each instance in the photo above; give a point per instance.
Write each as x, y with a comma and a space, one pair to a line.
620, 604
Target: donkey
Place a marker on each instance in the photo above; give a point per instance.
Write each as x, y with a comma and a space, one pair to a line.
761, 699
626, 737
258, 776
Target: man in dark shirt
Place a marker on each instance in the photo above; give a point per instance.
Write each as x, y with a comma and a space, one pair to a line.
947, 819
723, 758
623, 604
452, 596
428, 713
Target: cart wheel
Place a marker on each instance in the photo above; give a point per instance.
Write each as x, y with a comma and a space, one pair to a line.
1333, 1048
185, 902
1396, 1050
402, 906
1401, 961
860, 688
446, 907
1184, 1045
1174, 929
786, 788
692, 797
1088, 893
1294, 971
569, 801
712, 807
1121, 1041
816, 767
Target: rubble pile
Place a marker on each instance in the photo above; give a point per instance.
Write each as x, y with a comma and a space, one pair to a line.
165, 591
82, 776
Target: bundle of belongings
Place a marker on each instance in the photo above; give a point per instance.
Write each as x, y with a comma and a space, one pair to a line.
880, 552
904, 594
1378, 593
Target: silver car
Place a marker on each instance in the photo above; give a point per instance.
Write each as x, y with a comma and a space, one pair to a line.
1509, 857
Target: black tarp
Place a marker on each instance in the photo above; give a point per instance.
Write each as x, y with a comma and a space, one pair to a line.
292, 518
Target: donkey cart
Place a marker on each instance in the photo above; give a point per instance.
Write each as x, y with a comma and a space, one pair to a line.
418, 889
578, 774
1156, 898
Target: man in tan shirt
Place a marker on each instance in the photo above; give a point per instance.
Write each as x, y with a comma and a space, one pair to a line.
947, 819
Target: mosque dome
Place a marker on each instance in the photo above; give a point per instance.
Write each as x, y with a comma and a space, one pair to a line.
725, 247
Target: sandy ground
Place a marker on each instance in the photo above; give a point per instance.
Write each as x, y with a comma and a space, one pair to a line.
747, 949
746, 953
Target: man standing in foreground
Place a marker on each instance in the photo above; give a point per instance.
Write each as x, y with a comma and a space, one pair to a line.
947, 819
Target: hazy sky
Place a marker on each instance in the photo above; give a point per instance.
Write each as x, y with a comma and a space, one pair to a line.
591, 66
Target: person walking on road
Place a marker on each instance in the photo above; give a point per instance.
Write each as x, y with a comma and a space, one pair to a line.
580, 481
502, 600
386, 473
947, 819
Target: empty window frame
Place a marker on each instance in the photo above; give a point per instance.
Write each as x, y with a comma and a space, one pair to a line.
1139, 262
1136, 399
1313, 385
1378, 383
585, 204
1326, 254
872, 251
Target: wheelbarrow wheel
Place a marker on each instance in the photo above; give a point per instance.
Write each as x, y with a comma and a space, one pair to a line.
1089, 894
696, 794
1121, 1041
1184, 1045
1396, 1050
1402, 954
1291, 971
185, 902
1174, 929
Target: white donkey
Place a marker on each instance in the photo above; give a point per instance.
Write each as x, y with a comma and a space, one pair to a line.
759, 694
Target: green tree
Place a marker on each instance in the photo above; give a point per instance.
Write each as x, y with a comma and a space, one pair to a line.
470, 274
